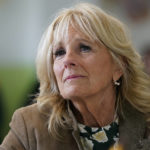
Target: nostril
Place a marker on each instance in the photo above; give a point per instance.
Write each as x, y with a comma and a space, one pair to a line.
69, 64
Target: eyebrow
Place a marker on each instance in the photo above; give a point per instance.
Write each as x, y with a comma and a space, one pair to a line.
59, 43
83, 39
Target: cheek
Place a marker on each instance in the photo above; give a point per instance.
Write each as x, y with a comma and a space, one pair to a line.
102, 72
57, 72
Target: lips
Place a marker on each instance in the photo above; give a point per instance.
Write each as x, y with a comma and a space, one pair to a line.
73, 77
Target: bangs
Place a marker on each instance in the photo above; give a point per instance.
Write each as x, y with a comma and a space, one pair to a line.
76, 20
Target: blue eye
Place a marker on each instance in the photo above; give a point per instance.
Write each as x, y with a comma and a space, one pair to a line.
59, 53
84, 48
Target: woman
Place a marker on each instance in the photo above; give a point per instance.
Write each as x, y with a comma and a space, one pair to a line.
94, 93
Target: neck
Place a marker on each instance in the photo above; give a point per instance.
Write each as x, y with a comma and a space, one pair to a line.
95, 111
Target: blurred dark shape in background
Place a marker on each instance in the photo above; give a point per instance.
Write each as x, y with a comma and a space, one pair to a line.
146, 58
137, 9
30, 97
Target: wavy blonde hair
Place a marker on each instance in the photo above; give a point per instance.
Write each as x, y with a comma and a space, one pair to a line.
103, 28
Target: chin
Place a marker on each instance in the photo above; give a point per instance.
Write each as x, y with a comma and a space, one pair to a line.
73, 92
71, 95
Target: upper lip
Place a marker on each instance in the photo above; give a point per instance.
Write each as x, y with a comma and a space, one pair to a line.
72, 76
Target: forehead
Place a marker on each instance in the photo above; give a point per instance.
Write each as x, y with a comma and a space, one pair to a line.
69, 35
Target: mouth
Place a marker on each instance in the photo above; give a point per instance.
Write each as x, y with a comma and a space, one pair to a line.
73, 77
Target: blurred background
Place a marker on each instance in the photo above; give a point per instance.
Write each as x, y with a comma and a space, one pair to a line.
22, 23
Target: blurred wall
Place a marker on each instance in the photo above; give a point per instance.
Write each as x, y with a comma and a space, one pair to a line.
22, 23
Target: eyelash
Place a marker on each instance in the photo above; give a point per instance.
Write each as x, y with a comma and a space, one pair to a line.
59, 52
83, 48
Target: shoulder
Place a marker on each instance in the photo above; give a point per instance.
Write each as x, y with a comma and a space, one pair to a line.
27, 127
30, 116
31, 109
133, 129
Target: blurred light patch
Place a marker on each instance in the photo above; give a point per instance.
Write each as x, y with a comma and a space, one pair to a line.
116, 147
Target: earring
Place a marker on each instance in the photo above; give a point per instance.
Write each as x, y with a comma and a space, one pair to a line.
117, 83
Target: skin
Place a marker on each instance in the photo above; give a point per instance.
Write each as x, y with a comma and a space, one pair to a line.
85, 72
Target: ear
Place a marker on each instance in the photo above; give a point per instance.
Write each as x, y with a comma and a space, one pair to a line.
118, 72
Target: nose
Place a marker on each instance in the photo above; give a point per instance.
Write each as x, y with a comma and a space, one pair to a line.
70, 59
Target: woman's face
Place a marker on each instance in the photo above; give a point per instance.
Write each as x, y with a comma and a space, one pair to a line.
82, 67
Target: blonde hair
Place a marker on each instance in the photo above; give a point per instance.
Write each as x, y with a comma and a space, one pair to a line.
103, 28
